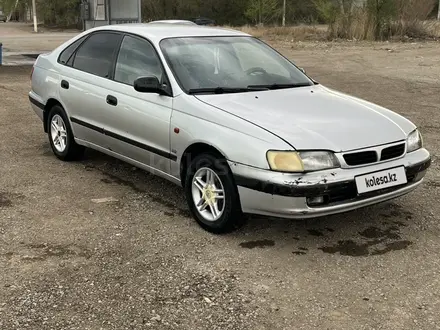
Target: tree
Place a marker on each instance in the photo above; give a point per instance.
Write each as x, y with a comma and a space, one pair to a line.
264, 11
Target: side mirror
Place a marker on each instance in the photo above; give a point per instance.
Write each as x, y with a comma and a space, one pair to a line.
149, 84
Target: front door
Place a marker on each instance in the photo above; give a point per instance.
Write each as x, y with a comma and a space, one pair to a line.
138, 124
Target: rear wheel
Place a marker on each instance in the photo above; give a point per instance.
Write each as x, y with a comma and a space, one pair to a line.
61, 137
212, 195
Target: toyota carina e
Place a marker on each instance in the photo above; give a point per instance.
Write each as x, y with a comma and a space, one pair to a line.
240, 127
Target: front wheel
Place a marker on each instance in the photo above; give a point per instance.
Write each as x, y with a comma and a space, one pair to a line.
212, 195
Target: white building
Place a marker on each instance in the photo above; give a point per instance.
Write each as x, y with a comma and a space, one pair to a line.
104, 12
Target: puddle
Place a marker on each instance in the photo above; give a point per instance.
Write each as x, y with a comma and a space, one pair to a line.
4, 200
374, 232
393, 246
260, 244
315, 232
349, 248
377, 246
117, 180
377, 241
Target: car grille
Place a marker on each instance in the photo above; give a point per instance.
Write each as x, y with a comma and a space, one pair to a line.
392, 152
360, 158
371, 156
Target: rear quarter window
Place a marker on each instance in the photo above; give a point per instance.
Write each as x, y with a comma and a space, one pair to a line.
67, 53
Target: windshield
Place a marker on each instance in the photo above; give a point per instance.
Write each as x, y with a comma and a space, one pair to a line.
229, 64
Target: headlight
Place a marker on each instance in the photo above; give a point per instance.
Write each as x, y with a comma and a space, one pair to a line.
414, 141
303, 161
318, 160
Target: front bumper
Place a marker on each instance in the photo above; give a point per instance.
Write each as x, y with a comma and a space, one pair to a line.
285, 195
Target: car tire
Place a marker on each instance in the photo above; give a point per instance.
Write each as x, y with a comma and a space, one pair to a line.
227, 215
61, 137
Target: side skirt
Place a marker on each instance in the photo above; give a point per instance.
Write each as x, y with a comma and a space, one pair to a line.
133, 162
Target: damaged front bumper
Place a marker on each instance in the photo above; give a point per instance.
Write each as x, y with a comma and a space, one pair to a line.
288, 195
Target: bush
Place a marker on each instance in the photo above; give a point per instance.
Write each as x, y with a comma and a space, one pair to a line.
375, 19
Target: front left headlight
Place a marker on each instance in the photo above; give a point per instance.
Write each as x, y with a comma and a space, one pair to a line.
414, 141
302, 161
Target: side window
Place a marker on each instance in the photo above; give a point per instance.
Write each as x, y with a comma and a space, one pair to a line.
96, 54
136, 58
69, 50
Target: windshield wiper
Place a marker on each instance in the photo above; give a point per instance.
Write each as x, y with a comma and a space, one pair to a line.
279, 86
225, 90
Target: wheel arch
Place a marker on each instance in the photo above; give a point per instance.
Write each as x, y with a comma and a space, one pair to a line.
49, 105
193, 151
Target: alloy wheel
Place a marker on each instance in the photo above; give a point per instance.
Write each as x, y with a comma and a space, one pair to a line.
208, 194
58, 133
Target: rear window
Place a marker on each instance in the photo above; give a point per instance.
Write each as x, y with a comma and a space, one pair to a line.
97, 53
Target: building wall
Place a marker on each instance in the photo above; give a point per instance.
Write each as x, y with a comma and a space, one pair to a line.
99, 12
93, 24
128, 9
116, 12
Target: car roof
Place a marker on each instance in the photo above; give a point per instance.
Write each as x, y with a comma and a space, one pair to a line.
158, 31
173, 21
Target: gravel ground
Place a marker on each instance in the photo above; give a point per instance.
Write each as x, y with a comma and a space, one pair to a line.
142, 263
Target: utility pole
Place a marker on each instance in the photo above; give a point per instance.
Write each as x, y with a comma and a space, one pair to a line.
438, 15
34, 12
284, 13
260, 11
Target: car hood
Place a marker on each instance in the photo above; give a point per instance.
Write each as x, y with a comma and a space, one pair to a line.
316, 117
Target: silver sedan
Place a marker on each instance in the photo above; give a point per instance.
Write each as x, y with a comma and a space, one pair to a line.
241, 128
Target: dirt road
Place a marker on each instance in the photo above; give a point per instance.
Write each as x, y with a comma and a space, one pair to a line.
18, 37
142, 262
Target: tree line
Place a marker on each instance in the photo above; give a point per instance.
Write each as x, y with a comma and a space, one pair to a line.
224, 12
359, 18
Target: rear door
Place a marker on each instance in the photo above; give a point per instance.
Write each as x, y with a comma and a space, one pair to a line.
85, 79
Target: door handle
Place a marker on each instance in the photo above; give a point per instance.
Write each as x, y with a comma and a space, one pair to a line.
112, 100
64, 84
